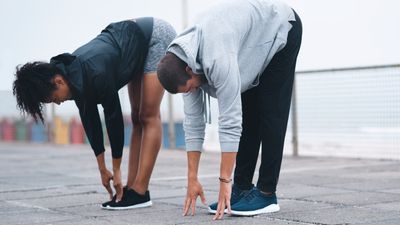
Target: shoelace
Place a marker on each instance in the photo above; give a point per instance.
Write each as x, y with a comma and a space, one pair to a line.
250, 195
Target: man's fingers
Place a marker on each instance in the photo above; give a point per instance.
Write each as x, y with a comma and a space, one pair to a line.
193, 204
216, 215
203, 198
221, 216
217, 212
187, 205
228, 204
221, 210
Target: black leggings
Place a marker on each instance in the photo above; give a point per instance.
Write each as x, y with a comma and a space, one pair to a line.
265, 115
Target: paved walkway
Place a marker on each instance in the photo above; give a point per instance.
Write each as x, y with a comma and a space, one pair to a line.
46, 184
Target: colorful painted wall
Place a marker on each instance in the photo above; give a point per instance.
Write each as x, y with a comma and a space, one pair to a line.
68, 132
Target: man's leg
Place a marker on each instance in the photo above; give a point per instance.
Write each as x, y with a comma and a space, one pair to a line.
152, 93
249, 145
275, 91
134, 90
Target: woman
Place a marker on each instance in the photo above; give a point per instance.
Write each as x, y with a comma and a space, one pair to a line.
124, 53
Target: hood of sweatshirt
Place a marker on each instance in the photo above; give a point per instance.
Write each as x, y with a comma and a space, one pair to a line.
72, 71
186, 47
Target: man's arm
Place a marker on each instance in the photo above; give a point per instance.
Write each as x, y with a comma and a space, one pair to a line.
194, 188
193, 158
194, 126
228, 160
225, 77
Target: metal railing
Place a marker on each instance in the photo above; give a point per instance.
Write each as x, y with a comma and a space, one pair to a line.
347, 112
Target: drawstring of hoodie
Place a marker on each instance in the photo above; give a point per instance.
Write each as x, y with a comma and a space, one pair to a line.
207, 107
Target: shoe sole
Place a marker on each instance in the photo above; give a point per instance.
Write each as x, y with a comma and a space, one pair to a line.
269, 209
213, 211
141, 205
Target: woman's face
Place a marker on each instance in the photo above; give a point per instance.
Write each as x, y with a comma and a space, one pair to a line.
62, 92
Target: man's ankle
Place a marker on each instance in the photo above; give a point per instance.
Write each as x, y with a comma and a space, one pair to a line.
268, 194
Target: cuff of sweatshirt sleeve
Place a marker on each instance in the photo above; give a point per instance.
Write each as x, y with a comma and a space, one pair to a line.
194, 146
229, 146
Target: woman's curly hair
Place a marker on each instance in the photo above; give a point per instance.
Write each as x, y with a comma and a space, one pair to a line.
33, 86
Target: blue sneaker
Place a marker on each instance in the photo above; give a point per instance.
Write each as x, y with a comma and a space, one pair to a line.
255, 203
236, 195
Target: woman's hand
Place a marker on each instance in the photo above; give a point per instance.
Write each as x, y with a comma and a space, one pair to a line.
117, 184
106, 177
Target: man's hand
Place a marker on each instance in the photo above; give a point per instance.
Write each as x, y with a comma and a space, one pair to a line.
225, 187
224, 200
117, 184
106, 177
194, 189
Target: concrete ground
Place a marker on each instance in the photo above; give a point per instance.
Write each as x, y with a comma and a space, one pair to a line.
47, 184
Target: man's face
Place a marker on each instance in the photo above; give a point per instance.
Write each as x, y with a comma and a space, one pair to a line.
192, 84
189, 87
62, 92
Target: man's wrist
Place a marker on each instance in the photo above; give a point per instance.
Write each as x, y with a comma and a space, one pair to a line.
192, 177
193, 164
225, 180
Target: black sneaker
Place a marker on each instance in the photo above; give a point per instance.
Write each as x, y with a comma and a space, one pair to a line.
105, 204
236, 195
130, 200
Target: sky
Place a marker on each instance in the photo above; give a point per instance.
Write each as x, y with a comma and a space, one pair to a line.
336, 33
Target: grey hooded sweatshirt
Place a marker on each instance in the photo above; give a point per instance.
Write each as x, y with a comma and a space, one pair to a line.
231, 43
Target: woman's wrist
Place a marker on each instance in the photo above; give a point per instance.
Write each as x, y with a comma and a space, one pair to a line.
116, 164
101, 162
102, 167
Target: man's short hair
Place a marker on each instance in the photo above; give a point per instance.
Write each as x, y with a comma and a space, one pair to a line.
171, 72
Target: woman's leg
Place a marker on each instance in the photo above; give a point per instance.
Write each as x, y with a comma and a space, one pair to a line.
149, 116
134, 90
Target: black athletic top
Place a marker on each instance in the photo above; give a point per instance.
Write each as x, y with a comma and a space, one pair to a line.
98, 69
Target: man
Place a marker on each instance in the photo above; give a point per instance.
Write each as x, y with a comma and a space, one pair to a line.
243, 53
125, 52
